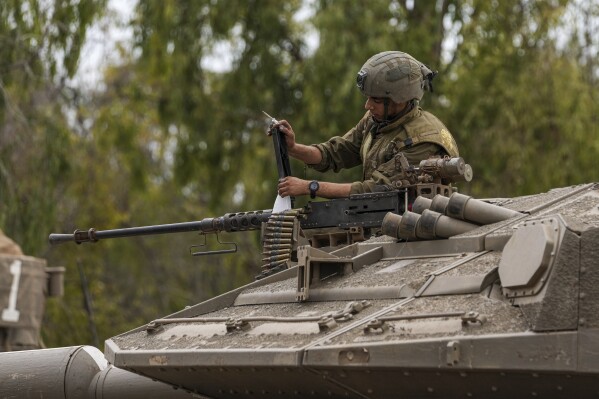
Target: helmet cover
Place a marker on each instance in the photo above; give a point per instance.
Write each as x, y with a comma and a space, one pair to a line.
395, 75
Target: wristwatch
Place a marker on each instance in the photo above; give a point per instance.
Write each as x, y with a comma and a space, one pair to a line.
313, 186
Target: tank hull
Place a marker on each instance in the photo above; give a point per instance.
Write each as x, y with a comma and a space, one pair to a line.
493, 366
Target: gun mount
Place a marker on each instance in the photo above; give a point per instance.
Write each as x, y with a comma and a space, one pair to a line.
432, 176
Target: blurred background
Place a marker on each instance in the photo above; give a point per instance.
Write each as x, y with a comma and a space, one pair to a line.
125, 113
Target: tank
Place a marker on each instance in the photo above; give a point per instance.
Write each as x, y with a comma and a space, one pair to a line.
456, 297
25, 284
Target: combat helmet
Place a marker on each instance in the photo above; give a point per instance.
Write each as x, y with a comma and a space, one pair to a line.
395, 75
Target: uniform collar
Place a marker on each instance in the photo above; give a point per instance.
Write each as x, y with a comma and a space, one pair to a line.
385, 127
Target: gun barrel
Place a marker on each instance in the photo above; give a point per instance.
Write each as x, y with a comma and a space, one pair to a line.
56, 238
230, 222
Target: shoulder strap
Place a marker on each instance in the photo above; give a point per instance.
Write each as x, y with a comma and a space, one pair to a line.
429, 129
366, 145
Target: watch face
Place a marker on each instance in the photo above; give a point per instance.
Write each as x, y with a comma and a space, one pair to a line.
313, 186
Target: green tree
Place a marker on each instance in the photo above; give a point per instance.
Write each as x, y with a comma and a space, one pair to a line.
39, 49
40, 44
521, 109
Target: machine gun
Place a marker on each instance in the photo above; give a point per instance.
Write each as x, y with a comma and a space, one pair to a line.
321, 224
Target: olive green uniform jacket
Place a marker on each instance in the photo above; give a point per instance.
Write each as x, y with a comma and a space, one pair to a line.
418, 134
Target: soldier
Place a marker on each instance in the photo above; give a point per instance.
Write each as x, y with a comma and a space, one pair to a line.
394, 83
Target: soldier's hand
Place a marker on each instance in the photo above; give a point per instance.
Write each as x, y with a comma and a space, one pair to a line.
292, 186
287, 131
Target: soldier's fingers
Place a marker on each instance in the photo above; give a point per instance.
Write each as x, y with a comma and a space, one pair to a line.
284, 125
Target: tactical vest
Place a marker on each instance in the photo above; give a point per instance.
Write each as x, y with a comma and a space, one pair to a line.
423, 129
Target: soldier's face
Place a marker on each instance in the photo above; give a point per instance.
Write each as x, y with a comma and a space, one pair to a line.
376, 106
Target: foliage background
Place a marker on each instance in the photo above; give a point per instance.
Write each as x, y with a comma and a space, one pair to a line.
167, 139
